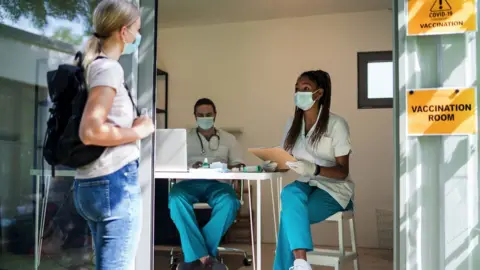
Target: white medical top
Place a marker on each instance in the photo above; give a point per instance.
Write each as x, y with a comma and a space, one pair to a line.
334, 143
228, 151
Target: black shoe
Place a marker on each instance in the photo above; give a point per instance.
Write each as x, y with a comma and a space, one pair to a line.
196, 265
214, 264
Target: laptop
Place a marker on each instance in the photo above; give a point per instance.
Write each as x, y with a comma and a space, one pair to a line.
171, 150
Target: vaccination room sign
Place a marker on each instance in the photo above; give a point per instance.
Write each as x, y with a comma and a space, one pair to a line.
441, 111
436, 17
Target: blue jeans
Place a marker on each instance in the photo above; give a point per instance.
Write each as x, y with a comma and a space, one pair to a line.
302, 205
196, 242
112, 207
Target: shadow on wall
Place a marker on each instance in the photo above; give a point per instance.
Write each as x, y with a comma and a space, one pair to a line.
424, 216
433, 213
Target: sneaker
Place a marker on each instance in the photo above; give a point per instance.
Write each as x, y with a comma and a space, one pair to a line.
300, 264
196, 265
214, 264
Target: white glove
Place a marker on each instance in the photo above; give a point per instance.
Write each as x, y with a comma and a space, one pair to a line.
302, 167
269, 166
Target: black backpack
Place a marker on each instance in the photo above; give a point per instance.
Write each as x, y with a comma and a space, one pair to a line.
68, 92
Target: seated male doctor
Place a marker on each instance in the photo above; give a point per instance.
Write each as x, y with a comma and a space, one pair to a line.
200, 245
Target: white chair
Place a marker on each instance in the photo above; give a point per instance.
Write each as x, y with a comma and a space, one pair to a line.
247, 261
335, 258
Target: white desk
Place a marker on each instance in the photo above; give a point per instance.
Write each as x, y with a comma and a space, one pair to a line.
258, 177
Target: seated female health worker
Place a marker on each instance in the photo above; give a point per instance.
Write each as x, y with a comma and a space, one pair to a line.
200, 245
320, 141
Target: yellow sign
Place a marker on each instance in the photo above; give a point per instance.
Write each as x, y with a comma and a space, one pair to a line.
441, 111
435, 17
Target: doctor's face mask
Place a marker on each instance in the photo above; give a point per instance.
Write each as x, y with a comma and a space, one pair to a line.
205, 123
205, 116
306, 93
304, 100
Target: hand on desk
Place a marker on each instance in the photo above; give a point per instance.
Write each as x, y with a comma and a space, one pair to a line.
197, 165
302, 167
239, 165
269, 166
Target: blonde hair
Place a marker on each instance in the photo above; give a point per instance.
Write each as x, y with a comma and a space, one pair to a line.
109, 16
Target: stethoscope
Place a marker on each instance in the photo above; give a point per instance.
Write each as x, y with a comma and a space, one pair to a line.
215, 139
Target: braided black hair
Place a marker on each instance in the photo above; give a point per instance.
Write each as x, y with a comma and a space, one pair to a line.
322, 81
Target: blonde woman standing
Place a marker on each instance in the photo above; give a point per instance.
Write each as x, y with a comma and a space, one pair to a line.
107, 193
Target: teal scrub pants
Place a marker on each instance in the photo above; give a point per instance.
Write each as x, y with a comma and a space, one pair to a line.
302, 205
200, 242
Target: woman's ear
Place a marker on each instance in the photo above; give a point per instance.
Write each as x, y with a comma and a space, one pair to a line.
123, 33
319, 94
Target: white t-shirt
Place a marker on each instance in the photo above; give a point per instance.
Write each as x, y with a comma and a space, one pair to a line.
334, 143
228, 151
107, 72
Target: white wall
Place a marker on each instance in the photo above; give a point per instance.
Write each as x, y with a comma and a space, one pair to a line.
249, 70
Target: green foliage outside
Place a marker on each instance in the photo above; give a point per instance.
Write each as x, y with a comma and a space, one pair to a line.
65, 34
37, 12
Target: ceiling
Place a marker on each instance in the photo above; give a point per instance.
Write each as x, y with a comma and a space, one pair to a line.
177, 13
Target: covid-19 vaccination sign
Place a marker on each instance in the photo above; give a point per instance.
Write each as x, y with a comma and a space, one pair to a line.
441, 111
436, 17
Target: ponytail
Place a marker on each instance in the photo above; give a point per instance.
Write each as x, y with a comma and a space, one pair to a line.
108, 17
92, 50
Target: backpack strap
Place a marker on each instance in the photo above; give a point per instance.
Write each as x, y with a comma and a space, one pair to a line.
126, 87
99, 57
131, 99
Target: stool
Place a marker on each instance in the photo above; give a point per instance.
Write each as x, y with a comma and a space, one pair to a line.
335, 258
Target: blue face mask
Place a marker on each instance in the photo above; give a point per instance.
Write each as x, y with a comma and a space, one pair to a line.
205, 123
304, 100
130, 48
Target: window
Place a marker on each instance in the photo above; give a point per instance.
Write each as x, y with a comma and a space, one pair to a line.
375, 80
35, 37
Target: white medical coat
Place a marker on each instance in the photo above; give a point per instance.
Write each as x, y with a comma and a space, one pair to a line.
334, 143
228, 151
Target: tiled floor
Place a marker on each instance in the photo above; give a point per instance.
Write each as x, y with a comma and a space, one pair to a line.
71, 260
370, 259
